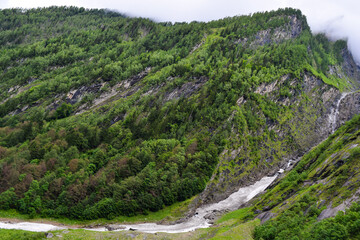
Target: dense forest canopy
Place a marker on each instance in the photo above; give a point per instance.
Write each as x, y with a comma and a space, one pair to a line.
105, 115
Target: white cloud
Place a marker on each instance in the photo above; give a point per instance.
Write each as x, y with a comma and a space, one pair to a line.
339, 19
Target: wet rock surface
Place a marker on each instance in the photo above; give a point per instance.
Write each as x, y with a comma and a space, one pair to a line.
113, 227
349, 107
215, 214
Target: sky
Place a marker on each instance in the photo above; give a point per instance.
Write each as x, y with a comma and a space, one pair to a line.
338, 19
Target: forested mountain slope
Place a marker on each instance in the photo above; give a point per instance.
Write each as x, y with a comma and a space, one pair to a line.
105, 115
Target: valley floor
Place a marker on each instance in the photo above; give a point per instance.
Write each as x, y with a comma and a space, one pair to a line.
196, 227
226, 230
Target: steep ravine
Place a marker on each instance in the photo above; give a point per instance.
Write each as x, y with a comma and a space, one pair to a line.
325, 179
317, 110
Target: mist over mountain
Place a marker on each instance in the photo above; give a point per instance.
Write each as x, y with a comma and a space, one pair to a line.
338, 19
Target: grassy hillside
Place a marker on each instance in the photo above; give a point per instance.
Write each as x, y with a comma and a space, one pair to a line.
104, 115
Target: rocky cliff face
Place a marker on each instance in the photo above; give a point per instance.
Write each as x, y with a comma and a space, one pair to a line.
349, 107
315, 110
269, 36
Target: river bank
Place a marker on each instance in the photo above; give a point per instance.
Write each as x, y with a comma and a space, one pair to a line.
203, 217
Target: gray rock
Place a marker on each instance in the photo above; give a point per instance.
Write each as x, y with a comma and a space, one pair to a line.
214, 215
49, 235
265, 216
186, 89
331, 212
131, 235
257, 211
113, 227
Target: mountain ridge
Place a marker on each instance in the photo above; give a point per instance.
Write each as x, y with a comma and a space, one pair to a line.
107, 115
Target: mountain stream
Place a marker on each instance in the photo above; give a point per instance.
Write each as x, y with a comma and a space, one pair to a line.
199, 220
335, 112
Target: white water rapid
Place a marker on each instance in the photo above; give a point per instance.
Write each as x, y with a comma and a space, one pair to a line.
335, 113
233, 202
28, 226
199, 220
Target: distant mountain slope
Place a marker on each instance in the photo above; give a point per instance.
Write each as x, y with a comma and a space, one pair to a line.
105, 115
